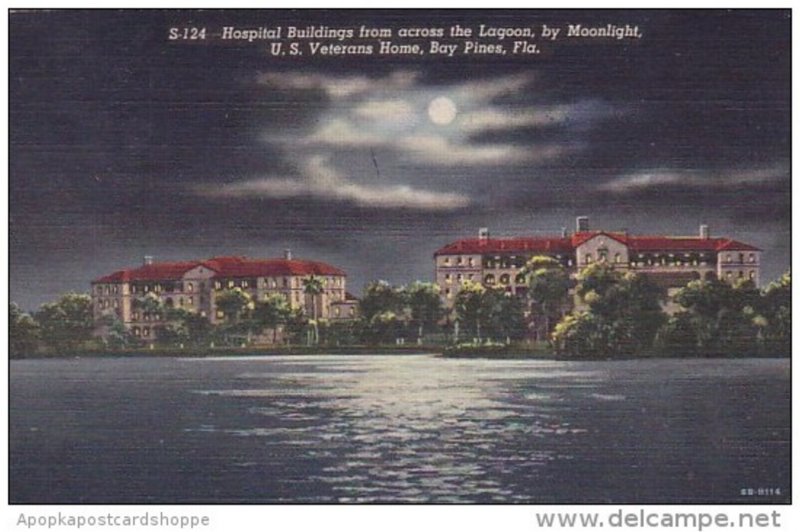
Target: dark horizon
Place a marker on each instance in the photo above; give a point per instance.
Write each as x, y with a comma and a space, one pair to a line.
125, 144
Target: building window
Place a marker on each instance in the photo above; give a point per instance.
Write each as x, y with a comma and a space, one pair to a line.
741, 274
447, 278
505, 279
752, 275
145, 331
220, 314
337, 311
459, 278
752, 257
136, 331
471, 261
728, 257
520, 279
180, 301
352, 311
231, 283
489, 279
217, 285
191, 300
446, 261
460, 260
588, 258
116, 303
190, 287
617, 258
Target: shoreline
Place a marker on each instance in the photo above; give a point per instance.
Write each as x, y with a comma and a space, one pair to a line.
464, 353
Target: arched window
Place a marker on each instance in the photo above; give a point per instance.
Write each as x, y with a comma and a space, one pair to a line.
520, 279
617, 258
489, 279
587, 258
505, 279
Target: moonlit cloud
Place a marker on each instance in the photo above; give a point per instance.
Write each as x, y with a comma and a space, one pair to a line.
393, 113
487, 89
496, 119
386, 110
440, 151
321, 181
657, 178
339, 133
338, 87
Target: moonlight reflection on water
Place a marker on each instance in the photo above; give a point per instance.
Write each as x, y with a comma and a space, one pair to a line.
397, 429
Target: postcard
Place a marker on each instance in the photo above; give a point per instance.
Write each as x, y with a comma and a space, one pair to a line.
410, 257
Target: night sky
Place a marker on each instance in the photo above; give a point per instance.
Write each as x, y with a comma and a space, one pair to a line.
124, 144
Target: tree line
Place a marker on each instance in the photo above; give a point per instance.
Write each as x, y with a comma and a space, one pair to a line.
600, 313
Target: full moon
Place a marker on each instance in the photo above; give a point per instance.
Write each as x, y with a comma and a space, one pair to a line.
442, 111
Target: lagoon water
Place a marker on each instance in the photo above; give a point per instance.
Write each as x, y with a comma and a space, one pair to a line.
327, 429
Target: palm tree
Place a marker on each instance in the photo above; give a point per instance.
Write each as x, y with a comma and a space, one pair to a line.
313, 287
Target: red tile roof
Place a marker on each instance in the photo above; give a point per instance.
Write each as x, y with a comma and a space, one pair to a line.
568, 245
505, 245
223, 267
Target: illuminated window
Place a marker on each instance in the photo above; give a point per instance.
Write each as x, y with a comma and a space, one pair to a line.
752, 257
190, 287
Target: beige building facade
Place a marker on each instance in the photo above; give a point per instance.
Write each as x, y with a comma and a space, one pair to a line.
194, 286
670, 261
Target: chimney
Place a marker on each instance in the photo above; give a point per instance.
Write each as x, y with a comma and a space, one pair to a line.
704, 231
582, 224
148, 260
483, 233
287, 254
